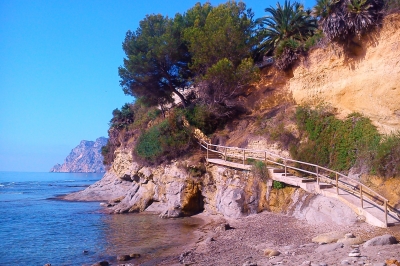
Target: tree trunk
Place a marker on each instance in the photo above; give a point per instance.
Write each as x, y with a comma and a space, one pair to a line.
183, 100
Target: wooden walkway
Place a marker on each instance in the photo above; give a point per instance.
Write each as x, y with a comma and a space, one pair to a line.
310, 177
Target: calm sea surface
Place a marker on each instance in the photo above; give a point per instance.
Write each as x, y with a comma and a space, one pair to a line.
36, 228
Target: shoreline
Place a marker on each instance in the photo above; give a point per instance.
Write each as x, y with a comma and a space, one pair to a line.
249, 237
211, 243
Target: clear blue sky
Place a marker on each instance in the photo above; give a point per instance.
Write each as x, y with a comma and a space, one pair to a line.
59, 72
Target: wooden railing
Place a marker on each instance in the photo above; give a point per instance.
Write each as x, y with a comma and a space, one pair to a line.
321, 173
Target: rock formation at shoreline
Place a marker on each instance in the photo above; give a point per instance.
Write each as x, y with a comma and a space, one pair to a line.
84, 158
172, 192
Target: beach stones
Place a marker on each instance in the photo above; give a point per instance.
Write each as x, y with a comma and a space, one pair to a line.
391, 262
381, 240
271, 253
349, 239
249, 263
101, 263
355, 253
328, 237
123, 257
345, 262
128, 257
329, 247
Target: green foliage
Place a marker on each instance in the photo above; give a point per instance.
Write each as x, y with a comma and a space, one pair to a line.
107, 153
387, 156
226, 33
223, 83
392, 6
259, 170
144, 113
343, 19
197, 171
332, 142
122, 118
200, 117
163, 141
288, 25
221, 49
284, 31
156, 60
278, 185
125, 124
313, 40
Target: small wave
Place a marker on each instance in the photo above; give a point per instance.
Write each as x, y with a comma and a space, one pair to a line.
1, 185
69, 180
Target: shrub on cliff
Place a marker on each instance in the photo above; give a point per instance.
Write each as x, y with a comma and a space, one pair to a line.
126, 125
386, 160
122, 118
164, 141
331, 142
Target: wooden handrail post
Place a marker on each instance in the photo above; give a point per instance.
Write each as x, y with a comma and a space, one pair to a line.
361, 197
316, 170
207, 151
386, 219
225, 153
265, 158
244, 157
337, 184
285, 168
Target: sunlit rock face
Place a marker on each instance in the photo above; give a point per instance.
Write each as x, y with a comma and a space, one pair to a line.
84, 158
131, 187
364, 78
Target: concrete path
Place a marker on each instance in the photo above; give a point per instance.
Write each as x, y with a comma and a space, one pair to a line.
374, 212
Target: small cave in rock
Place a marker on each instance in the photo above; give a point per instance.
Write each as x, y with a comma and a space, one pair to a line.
194, 204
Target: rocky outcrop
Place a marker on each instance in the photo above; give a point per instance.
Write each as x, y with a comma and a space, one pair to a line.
314, 209
84, 158
171, 191
130, 187
364, 78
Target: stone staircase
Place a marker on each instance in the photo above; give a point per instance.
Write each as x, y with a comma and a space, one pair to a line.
362, 200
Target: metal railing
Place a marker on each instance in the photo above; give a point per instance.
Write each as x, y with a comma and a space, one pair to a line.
335, 178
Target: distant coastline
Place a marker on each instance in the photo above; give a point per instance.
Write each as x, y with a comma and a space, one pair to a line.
84, 158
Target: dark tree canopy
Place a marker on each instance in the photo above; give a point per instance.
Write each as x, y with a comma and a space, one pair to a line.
226, 33
221, 48
156, 62
193, 49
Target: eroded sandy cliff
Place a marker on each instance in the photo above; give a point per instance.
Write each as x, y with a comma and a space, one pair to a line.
365, 79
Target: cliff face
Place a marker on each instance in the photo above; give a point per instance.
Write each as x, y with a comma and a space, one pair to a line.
365, 79
84, 158
171, 191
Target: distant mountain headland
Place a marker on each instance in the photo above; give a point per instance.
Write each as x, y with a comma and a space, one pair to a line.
84, 158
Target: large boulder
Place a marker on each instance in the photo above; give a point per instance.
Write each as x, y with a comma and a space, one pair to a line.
233, 193
381, 240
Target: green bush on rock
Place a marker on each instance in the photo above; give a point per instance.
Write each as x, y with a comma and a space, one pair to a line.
163, 141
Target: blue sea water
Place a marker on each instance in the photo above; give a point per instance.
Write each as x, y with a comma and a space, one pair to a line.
36, 228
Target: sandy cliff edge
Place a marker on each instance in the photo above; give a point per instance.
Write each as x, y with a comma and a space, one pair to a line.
366, 81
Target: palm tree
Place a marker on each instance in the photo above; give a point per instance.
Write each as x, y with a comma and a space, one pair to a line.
341, 19
287, 21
